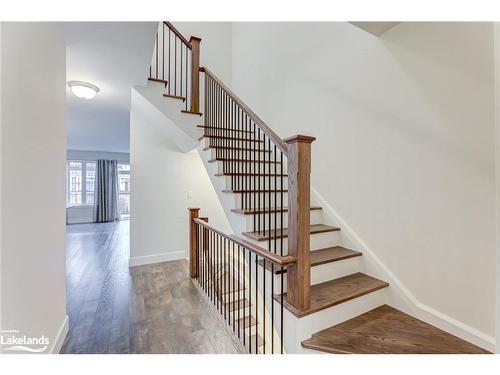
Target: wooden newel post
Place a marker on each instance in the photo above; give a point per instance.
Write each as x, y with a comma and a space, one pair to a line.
299, 201
195, 73
193, 243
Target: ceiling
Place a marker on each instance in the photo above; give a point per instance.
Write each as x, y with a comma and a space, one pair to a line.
114, 56
375, 28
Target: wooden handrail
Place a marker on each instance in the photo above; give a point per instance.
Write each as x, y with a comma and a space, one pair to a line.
179, 35
279, 260
258, 121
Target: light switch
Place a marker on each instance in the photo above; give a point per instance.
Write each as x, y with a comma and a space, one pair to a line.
190, 194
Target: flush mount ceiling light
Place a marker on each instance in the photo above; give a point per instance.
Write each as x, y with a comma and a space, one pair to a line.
83, 90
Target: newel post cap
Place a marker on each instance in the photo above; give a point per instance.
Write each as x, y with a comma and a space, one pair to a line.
194, 38
299, 138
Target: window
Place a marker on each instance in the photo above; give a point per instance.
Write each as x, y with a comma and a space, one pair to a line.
124, 189
81, 183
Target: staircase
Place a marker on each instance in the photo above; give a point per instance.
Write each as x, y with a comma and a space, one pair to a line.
283, 282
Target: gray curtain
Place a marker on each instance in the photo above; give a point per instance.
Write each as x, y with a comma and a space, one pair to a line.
106, 191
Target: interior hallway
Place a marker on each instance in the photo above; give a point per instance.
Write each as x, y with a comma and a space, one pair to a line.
146, 309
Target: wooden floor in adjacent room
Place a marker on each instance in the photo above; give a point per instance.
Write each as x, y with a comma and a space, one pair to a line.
145, 309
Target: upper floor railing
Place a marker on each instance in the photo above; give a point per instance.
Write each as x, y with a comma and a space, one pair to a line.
175, 61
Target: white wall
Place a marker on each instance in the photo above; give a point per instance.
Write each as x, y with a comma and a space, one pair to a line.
497, 170
405, 143
161, 179
215, 47
33, 149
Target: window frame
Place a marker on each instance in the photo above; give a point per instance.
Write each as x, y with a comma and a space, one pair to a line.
83, 193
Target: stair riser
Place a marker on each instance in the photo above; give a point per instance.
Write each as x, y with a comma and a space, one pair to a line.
246, 166
326, 272
246, 155
229, 297
251, 182
265, 199
207, 142
316, 218
317, 241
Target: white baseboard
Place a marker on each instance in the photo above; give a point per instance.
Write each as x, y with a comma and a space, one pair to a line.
156, 258
401, 297
61, 335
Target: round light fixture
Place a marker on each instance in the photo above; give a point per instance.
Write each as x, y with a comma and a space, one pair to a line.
83, 90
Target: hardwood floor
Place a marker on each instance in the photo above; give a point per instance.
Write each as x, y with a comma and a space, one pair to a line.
386, 330
147, 309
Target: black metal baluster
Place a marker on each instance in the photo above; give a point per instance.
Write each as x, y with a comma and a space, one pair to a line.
188, 97
175, 65
234, 293
238, 288
169, 78
250, 295
244, 297
163, 51
224, 285
256, 303
181, 67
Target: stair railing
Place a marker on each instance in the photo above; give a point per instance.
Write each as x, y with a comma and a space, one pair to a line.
258, 162
229, 271
176, 62
262, 169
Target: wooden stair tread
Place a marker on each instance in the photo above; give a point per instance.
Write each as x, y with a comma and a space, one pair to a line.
174, 97
337, 291
231, 138
252, 174
245, 161
247, 321
387, 330
233, 305
264, 235
321, 256
157, 80
266, 210
224, 129
235, 148
191, 112
253, 191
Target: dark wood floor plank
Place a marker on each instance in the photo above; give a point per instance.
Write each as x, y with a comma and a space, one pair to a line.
386, 330
334, 292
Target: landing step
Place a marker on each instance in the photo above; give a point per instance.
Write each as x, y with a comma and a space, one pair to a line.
245, 161
337, 291
386, 330
321, 256
266, 210
231, 138
253, 191
264, 235
235, 148
192, 113
174, 97
252, 174
224, 129
158, 80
